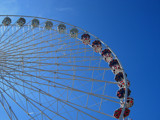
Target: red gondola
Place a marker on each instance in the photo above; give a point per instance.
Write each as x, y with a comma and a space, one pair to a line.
119, 77
121, 84
118, 112
121, 93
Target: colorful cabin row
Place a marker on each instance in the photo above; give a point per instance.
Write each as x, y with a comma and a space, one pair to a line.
97, 46
129, 102
121, 93
21, 21
118, 112
114, 64
107, 55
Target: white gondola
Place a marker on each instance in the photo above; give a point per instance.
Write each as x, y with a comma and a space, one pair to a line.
116, 69
129, 102
61, 28
85, 39
107, 55
6, 21
35, 23
121, 84
74, 32
48, 25
21, 21
97, 46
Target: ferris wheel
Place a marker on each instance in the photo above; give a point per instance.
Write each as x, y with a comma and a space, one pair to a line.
51, 70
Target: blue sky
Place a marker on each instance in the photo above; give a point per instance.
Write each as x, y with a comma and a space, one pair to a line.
131, 28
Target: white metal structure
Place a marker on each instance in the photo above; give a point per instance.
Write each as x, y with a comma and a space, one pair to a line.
48, 75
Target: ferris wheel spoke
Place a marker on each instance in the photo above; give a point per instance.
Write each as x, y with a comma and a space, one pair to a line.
64, 101
36, 44
32, 38
17, 103
59, 78
104, 97
89, 109
34, 101
47, 52
84, 60
43, 92
12, 35
73, 89
86, 78
26, 37
42, 41
55, 112
59, 50
8, 46
8, 38
31, 101
6, 30
83, 78
54, 71
7, 107
102, 94
61, 44
69, 114
95, 80
56, 64
12, 45
58, 57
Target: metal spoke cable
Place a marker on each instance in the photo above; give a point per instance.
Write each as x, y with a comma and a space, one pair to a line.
43, 92
7, 107
100, 96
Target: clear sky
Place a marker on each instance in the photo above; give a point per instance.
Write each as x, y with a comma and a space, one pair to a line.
130, 27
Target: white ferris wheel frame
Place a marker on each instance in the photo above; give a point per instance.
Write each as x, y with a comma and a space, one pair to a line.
125, 79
